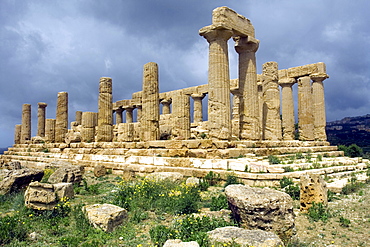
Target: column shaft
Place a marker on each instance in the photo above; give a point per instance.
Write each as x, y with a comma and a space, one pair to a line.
198, 107
166, 106
319, 106
129, 116
119, 116
17, 134
88, 122
181, 116
50, 130
287, 108
26, 123
41, 119
305, 109
61, 120
105, 111
78, 117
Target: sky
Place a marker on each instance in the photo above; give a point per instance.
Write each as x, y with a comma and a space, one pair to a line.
48, 47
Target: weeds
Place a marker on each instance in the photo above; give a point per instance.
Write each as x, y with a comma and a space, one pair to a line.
318, 211
219, 202
273, 159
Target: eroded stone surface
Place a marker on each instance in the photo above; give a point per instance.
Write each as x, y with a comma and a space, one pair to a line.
312, 189
16, 180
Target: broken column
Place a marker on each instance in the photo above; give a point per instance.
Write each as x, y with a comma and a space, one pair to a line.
50, 130
312, 189
319, 105
305, 113
105, 112
149, 118
181, 116
26, 123
198, 107
88, 126
61, 121
41, 119
17, 134
246, 47
78, 117
287, 108
271, 103
219, 119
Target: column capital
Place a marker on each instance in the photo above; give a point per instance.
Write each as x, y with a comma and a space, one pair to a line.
120, 109
166, 101
42, 105
287, 82
128, 108
213, 32
197, 96
246, 44
319, 76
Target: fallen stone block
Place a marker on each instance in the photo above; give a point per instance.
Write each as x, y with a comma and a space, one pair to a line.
179, 243
16, 180
105, 216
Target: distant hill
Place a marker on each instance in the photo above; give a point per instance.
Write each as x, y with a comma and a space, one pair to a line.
2, 150
350, 130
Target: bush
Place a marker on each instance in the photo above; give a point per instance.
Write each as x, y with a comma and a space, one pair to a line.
285, 182
288, 169
352, 150
273, 159
219, 202
344, 221
318, 211
232, 179
293, 190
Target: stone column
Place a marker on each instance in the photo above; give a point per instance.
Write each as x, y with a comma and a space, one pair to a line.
17, 134
26, 123
41, 119
149, 118
181, 116
119, 116
129, 117
61, 120
139, 109
88, 122
105, 112
166, 109
319, 105
246, 47
235, 120
271, 106
50, 130
287, 108
219, 119
79, 117
198, 107
305, 109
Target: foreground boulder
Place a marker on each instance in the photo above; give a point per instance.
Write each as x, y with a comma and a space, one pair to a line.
105, 216
243, 237
179, 243
43, 196
68, 174
16, 180
262, 208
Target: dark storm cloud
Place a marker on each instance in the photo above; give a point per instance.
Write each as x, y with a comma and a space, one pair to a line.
52, 46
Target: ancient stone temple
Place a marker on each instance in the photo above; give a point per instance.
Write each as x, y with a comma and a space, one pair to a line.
193, 128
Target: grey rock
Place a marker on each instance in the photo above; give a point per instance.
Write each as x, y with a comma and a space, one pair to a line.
16, 180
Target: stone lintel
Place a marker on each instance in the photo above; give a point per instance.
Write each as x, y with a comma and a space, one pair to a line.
304, 70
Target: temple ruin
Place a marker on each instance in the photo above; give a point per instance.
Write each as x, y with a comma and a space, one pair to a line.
249, 117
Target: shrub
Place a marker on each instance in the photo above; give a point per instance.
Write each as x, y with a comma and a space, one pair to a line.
47, 174
344, 221
212, 178
219, 202
318, 211
352, 150
288, 169
273, 159
332, 196
285, 182
293, 190
232, 179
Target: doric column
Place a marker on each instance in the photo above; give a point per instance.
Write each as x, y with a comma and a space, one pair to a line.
61, 120
305, 109
166, 109
26, 123
235, 120
17, 134
198, 107
181, 116
319, 105
129, 117
41, 119
50, 130
119, 116
271, 106
246, 47
219, 119
139, 112
287, 108
150, 103
79, 117
105, 111
88, 126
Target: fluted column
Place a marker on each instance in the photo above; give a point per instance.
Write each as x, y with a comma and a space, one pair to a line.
305, 109
79, 117
88, 122
219, 119
150, 103
41, 119
139, 112
235, 120
181, 116
246, 47
50, 130
17, 134
198, 107
319, 105
129, 117
105, 111
119, 116
287, 108
166, 109
61, 120
26, 123
271, 106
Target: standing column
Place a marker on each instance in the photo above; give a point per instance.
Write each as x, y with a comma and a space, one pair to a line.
305, 109
79, 117
271, 106
119, 116
235, 120
149, 118
287, 108
181, 116
319, 105
26, 123
166, 106
17, 134
198, 107
129, 117
61, 121
246, 47
88, 126
105, 111
219, 119
50, 130
41, 119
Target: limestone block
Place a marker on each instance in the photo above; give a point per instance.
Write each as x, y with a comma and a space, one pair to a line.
312, 189
104, 133
128, 174
243, 237
16, 180
172, 176
73, 137
192, 181
179, 243
99, 171
67, 174
262, 208
105, 216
